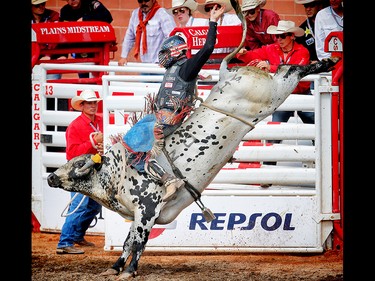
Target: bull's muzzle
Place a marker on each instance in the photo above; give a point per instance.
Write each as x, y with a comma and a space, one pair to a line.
53, 180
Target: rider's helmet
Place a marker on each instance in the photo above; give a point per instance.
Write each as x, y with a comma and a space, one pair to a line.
173, 49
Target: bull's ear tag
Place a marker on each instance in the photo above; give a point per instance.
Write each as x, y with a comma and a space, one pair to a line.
208, 215
96, 158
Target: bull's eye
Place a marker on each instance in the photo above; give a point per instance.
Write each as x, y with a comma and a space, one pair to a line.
79, 164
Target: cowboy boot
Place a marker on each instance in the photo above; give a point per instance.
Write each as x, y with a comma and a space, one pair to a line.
170, 182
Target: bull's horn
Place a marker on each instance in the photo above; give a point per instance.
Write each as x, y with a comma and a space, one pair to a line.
94, 160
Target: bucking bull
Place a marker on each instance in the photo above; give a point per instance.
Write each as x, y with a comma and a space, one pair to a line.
198, 149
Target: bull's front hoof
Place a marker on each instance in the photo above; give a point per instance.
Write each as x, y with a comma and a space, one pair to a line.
126, 276
109, 271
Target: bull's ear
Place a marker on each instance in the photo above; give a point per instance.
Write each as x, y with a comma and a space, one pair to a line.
98, 166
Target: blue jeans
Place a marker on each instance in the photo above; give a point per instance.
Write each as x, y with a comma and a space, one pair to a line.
307, 117
78, 222
54, 76
283, 116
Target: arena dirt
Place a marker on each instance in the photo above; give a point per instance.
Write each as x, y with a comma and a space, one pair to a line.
48, 266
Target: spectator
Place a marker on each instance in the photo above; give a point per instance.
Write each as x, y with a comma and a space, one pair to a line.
257, 21
40, 14
262, 3
183, 10
327, 20
173, 103
85, 10
225, 20
83, 136
285, 51
312, 7
148, 26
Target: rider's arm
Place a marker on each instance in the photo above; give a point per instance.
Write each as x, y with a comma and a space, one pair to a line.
191, 68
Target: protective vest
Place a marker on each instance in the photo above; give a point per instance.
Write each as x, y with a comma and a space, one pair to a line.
174, 90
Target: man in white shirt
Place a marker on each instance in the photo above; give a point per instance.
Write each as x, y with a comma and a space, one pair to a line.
182, 11
149, 26
327, 20
225, 20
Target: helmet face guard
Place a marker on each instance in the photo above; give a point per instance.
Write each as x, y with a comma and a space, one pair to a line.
172, 50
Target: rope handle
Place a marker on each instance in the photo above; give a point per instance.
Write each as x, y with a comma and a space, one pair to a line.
92, 140
76, 208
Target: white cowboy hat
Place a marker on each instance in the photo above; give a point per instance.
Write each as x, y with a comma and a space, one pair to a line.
36, 2
228, 5
285, 26
86, 95
305, 1
251, 4
262, 3
190, 4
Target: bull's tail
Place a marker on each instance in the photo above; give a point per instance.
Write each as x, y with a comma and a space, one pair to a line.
224, 64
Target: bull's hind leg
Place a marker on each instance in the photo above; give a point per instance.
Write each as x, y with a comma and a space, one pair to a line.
324, 65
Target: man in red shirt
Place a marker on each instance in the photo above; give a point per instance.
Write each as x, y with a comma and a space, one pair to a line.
84, 135
285, 51
257, 21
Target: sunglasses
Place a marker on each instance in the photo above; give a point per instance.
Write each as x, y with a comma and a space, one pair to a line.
181, 10
143, 1
209, 8
283, 36
39, 5
248, 12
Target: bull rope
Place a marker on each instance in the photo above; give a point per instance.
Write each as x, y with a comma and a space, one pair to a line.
207, 213
221, 111
229, 114
70, 201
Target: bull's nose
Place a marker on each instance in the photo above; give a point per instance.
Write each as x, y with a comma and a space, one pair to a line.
53, 180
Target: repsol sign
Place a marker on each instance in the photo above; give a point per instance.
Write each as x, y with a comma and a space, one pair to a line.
268, 221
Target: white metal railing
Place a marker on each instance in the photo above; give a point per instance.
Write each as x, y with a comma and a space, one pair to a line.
295, 183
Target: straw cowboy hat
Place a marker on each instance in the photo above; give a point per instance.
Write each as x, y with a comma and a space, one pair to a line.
285, 26
228, 5
305, 1
190, 4
86, 95
262, 3
36, 2
251, 4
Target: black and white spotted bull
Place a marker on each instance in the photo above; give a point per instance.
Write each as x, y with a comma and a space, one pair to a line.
199, 148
